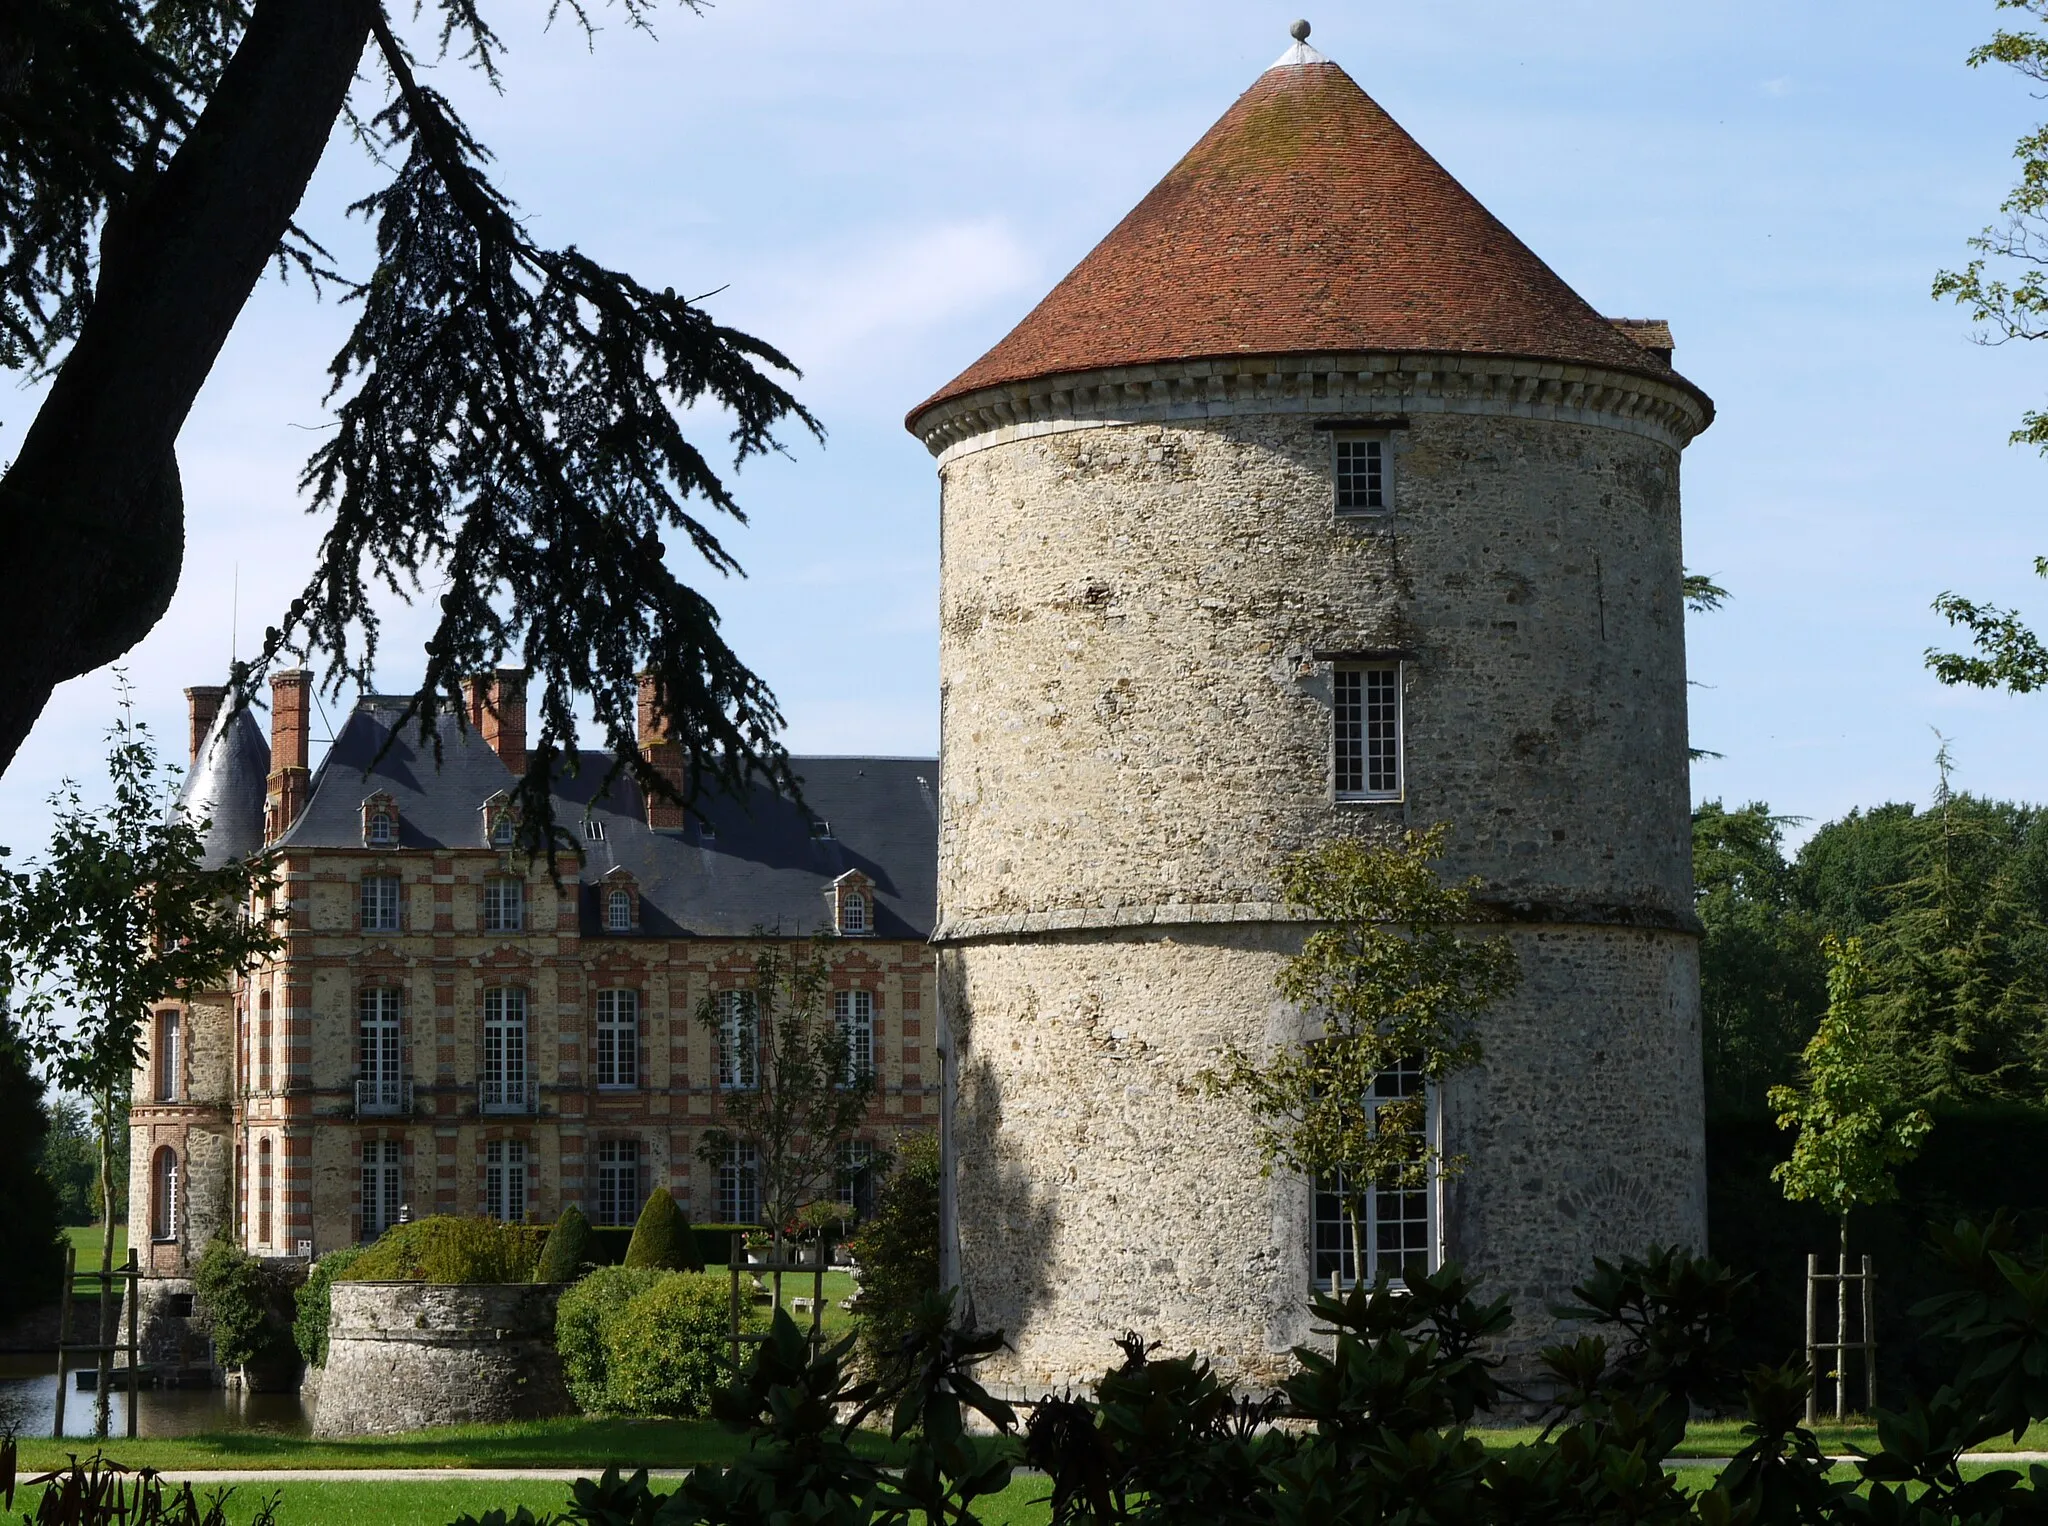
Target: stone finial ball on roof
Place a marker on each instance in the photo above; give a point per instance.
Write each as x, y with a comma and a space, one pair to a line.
1299, 31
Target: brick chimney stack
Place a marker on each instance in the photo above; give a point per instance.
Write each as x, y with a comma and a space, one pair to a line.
204, 701
291, 698
665, 754
495, 706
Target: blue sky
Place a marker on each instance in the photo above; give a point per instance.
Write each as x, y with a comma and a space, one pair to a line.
882, 187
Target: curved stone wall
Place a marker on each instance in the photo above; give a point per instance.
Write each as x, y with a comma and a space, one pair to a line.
402, 1355
1144, 587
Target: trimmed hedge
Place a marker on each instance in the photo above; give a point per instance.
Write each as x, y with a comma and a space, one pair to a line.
665, 1352
566, 1251
580, 1321
713, 1243
662, 1237
449, 1250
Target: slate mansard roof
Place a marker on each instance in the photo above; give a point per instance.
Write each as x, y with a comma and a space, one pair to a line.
1306, 221
762, 867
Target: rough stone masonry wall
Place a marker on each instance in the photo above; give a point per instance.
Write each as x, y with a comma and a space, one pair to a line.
1137, 617
402, 1355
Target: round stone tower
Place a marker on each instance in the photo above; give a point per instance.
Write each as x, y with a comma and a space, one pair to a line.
1312, 504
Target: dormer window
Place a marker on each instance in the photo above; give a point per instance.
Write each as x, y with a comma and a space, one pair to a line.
504, 831
593, 829
820, 828
501, 822
380, 822
852, 901
618, 911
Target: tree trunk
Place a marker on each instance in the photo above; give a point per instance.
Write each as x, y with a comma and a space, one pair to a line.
1842, 1326
91, 515
109, 1310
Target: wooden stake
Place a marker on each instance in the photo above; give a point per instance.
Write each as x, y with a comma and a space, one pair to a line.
64, 1333
1812, 1355
1869, 1338
134, 1371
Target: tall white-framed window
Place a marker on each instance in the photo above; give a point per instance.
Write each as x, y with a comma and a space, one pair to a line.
739, 1186
1398, 1223
163, 1191
504, 1067
854, 1012
739, 1042
379, 903
505, 1171
266, 1193
383, 1185
504, 904
618, 1181
170, 1057
1362, 470
854, 1188
381, 830
618, 1039
853, 913
618, 910
1365, 717
379, 1057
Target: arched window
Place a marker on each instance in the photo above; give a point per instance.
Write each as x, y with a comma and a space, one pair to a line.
163, 1204
263, 1020
618, 911
265, 1187
382, 831
504, 830
853, 913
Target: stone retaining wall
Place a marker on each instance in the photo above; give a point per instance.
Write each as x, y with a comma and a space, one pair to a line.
402, 1355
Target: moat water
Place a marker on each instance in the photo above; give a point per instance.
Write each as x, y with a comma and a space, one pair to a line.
28, 1406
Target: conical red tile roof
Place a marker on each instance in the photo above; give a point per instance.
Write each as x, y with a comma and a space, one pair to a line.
1305, 221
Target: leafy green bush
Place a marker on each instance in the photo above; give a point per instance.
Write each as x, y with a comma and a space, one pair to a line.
898, 1250
567, 1250
662, 1237
445, 1249
581, 1319
666, 1351
247, 1306
316, 1303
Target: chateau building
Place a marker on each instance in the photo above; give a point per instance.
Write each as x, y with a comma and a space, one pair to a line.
1311, 505
448, 1030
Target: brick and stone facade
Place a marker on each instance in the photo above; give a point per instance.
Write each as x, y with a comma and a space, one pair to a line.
1147, 591
289, 1108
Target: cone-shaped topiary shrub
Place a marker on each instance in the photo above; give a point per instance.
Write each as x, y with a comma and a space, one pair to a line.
567, 1248
662, 1238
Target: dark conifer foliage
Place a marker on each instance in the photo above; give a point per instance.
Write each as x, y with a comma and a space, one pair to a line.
34, 1262
509, 413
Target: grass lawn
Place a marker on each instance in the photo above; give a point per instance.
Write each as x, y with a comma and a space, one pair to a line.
324, 1503
1724, 1438
85, 1240
569, 1442
839, 1286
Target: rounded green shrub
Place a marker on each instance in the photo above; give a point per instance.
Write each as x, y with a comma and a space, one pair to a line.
662, 1238
246, 1305
582, 1317
567, 1250
316, 1303
445, 1249
666, 1351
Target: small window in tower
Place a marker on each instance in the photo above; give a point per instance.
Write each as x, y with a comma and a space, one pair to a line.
1366, 732
1361, 472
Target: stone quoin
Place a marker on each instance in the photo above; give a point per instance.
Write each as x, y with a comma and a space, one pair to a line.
1310, 505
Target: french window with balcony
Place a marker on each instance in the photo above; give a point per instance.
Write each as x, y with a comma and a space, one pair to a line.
854, 1012
739, 1041
504, 1080
380, 1078
505, 1180
383, 1185
618, 1039
618, 1181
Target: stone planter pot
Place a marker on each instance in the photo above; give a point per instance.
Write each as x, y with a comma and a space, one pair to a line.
402, 1355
